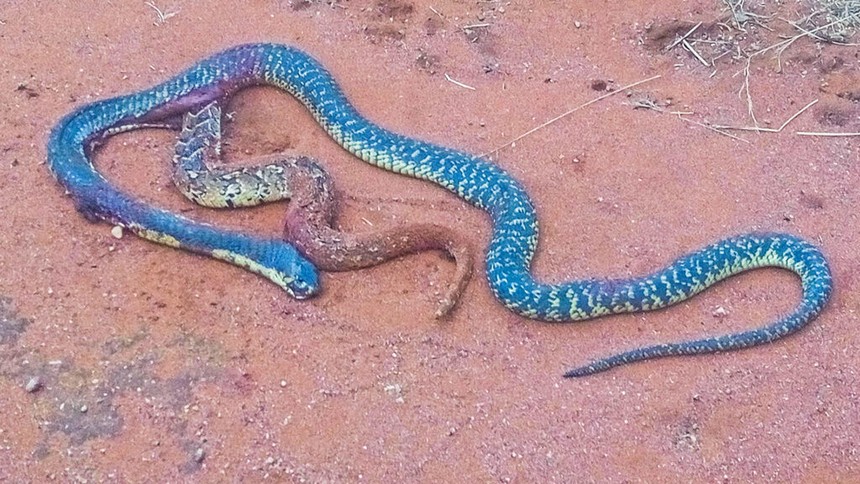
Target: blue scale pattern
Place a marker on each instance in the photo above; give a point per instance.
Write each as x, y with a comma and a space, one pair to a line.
515, 226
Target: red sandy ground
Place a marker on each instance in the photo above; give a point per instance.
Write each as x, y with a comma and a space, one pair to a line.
148, 354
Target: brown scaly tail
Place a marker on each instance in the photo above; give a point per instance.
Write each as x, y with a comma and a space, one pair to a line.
312, 207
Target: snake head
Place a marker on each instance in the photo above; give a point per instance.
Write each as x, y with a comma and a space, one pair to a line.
305, 280
277, 261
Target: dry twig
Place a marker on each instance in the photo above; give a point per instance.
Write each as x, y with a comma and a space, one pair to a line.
162, 14
569, 112
759, 129
649, 104
458, 83
826, 134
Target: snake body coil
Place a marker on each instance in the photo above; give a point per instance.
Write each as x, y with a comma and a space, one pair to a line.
312, 207
515, 228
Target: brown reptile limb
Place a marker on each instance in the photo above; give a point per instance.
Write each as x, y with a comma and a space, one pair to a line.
312, 207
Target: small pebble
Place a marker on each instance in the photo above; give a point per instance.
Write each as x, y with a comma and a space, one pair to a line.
116, 231
33, 385
577, 24
84, 408
199, 455
720, 312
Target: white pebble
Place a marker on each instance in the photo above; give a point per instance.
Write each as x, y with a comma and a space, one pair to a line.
33, 385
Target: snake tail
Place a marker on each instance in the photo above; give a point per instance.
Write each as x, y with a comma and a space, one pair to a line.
704, 268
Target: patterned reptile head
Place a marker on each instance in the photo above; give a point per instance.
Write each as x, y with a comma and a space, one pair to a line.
305, 280
276, 260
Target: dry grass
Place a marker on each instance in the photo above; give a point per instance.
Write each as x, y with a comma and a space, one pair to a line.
745, 32
842, 18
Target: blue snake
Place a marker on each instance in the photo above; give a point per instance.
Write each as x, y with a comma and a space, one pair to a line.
485, 185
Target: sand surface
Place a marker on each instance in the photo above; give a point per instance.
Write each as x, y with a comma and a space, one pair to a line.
159, 365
